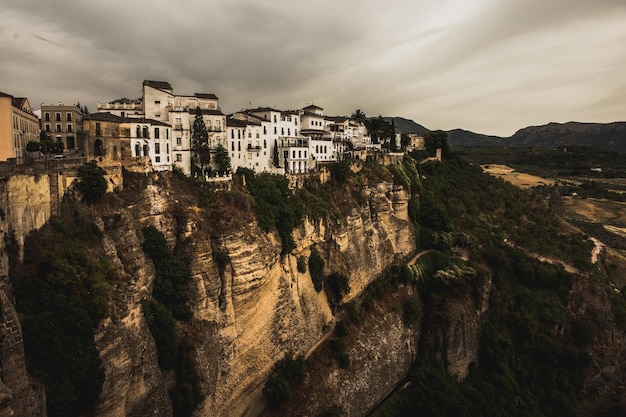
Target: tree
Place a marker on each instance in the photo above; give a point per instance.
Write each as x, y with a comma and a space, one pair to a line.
92, 184
33, 146
276, 161
222, 160
358, 116
200, 144
436, 139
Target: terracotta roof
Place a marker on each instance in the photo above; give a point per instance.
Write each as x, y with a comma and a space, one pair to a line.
235, 122
19, 102
125, 100
159, 85
207, 111
336, 119
104, 117
261, 109
308, 113
209, 96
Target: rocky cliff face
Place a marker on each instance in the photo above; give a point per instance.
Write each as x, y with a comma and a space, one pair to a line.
250, 314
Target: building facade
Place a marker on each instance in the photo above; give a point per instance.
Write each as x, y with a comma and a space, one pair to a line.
18, 126
63, 123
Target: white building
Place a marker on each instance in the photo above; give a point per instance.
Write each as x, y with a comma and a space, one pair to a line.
152, 139
160, 105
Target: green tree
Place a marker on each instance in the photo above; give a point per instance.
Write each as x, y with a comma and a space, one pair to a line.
33, 146
358, 116
222, 160
201, 156
92, 184
436, 139
276, 159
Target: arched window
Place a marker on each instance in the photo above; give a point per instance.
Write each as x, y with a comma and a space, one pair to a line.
138, 132
145, 132
137, 149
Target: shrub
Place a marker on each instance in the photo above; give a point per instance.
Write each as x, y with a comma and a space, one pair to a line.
301, 264
316, 268
171, 274
162, 325
338, 285
287, 372
92, 184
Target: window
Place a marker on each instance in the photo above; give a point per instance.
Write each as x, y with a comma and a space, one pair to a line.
58, 127
289, 131
167, 148
232, 146
295, 120
294, 154
157, 159
98, 132
179, 157
249, 134
57, 117
48, 127
265, 130
157, 102
232, 134
68, 117
157, 148
299, 154
274, 129
156, 133
137, 150
69, 128
295, 132
167, 133
179, 141
274, 119
239, 146
46, 116
145, 132
264, 144
138, 132
282, 131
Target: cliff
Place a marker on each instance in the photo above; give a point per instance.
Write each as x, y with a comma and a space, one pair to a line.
258, 309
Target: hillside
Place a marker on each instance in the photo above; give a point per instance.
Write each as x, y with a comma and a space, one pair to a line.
607, 136
407, 126
175, 299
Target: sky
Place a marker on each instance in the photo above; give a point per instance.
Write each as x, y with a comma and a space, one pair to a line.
489, 66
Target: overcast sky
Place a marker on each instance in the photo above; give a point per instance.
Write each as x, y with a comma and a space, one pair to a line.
490, 66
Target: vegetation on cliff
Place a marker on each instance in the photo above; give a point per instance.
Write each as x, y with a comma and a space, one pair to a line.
170, 304
62, 293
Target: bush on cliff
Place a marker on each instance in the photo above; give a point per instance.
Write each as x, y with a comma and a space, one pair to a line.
61, 290
171, 273
278, 387
275, 205
92, 184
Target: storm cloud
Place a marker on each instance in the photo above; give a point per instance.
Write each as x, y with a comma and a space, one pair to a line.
492, 66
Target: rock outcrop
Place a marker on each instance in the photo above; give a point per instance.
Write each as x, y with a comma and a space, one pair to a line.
250, 313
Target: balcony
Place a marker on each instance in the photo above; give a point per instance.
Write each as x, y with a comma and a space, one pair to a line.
254, 148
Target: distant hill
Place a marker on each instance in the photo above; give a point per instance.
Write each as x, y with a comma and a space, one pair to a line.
607, 136
407, 126
460, 137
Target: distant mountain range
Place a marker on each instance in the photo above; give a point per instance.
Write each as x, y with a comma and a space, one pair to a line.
608, 136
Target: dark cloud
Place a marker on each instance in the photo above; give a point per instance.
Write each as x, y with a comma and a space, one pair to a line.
489, 65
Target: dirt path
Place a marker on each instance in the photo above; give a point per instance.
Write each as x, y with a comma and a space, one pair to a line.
418, 255
597, 250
